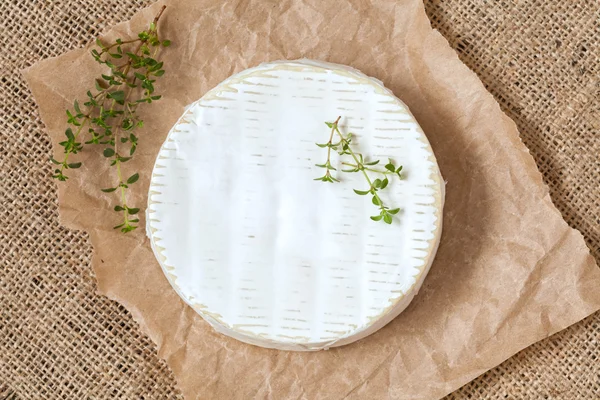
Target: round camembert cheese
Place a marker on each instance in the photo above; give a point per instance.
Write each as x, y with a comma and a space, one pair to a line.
262, 251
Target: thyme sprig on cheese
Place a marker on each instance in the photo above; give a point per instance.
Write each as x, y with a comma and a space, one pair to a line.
109, 117
360, 165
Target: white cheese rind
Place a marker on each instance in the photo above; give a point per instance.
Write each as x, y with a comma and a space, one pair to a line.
259, 249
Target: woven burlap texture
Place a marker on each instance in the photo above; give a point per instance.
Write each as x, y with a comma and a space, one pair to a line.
59, 340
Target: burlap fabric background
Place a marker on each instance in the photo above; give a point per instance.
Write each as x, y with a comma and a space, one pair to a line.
59, 340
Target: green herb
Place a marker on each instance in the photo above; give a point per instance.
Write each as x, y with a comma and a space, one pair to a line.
109, 117
360, 165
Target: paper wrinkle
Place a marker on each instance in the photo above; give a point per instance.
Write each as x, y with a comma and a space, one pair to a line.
468, 316
184, 330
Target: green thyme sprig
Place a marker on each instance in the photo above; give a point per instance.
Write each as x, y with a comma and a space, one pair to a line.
360, 165
110, 118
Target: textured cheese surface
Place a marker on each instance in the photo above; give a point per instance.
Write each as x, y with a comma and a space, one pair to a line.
262, 251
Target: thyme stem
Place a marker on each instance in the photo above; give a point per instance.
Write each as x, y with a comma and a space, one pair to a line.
114, 126
359, 165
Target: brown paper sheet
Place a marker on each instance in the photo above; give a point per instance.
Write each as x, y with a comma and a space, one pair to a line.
509, 271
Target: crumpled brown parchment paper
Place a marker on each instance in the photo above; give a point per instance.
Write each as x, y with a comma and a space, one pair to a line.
509, 271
